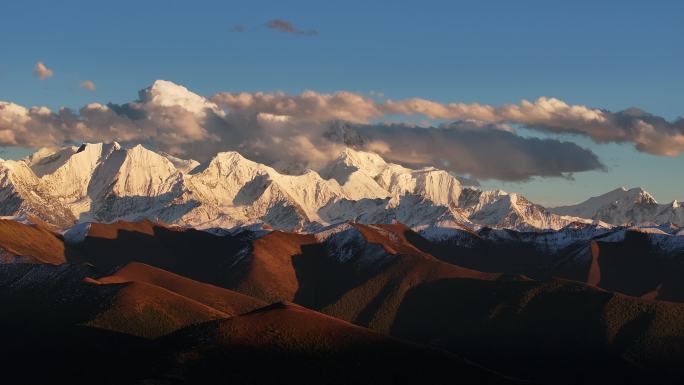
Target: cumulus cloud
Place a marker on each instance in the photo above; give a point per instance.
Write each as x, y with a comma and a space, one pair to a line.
42, 71
88, 85
293, 132
287, 27
165, 114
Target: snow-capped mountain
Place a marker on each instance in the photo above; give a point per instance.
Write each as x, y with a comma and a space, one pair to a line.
625, 206
105, 182
22, 192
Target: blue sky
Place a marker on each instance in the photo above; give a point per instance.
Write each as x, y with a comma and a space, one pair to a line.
609, 54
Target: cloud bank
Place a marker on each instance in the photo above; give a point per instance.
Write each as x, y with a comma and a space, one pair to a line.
648, 133
292, 132
484, 151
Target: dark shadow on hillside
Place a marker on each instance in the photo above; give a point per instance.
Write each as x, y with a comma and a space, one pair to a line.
252, 190
195, 254
509, 257
322, 278
42, 342
633, 266
551, 332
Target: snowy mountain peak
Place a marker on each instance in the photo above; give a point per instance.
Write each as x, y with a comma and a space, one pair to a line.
68, 172
640, 195
625, 206
140, 172
227, 162
368, 162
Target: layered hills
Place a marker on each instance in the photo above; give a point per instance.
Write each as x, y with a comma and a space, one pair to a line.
186, 306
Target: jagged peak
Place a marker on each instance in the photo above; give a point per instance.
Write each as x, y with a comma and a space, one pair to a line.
141, 160
226, 160
621, 193
361, 159
103, 147
140, 155
139, 149
640, 195
232, 157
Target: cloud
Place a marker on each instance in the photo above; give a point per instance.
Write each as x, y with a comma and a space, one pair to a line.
42, 71
648, 133
482, 151
308, 105
287, 27
307, 130
165, 114
88, 85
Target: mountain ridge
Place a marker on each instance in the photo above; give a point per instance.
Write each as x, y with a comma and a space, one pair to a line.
625, 206
105, 182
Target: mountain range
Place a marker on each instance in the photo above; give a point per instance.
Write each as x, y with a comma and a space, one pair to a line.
105, 182
121, 264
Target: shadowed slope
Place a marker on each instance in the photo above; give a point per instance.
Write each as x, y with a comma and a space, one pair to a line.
359, 274
545, 331
195, 254
268, 271
82, 330
628, 261
635, 266
53, 297
275, 342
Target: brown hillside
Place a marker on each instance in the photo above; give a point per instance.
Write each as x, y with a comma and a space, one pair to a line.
226, 301
287, 342
34, 243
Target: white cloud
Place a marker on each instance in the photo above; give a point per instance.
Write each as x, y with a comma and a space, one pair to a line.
88, 85
42, 71
308, 105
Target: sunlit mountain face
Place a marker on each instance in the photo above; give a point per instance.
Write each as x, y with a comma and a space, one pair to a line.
341, 193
